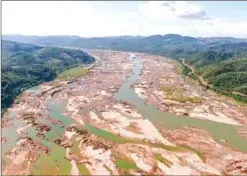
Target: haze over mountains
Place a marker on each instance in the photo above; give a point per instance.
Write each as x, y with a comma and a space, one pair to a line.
221, 61
121, 42
124, 88
172, 45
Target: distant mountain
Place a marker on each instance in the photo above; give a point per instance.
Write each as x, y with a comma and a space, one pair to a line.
218, 55
62, 40
26, 65
172, 45
160, 42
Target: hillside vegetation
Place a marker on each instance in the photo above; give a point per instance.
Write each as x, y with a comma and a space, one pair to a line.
224, 67
172, 45
26, 65
221, 61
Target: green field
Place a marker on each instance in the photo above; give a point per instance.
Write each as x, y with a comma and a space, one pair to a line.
105, 134
163, 160
74, 73
126, 164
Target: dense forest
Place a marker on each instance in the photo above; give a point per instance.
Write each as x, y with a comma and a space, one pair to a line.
26, 65
224, 67
221, 61
172, 45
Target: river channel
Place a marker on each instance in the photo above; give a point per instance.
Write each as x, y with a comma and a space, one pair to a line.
56, 157
217, 130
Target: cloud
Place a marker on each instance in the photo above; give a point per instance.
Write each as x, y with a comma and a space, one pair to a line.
66, 18
96, 20
172, 10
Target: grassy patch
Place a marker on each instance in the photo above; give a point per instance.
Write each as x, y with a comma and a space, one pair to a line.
171, 89
74, 73
163, 160
75, 149
126, 164
83, 170
182, 98
106, 134
176, 94
171, 148
199, 153
166, 147
119, 139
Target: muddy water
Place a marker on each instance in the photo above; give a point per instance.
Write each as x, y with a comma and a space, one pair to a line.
12, 136
217, 130
10, 132
47, 164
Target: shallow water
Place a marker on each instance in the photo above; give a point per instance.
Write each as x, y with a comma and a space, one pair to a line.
217, 130
34, 89
46, 164
12, 136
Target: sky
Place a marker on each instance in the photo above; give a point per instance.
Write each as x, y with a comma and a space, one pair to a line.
117, 18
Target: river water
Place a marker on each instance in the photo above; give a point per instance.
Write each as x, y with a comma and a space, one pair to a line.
217, 130
56, 157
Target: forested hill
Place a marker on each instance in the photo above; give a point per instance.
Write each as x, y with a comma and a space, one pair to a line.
27, 65
220, 60
224, 67
172, 45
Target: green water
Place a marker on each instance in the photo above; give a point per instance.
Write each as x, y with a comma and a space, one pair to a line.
12, 137
11, 134
57, 153
55, 111
46, 163
217, 130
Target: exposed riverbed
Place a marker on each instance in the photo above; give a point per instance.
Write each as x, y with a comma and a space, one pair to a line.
96, 109
217, 130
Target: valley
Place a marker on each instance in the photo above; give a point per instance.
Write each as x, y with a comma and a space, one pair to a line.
131, 113
220, 62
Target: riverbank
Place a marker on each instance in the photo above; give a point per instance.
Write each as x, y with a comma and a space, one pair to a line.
99, 125
237, 96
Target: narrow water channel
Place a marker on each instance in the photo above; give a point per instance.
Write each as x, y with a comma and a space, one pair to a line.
46, 164
217, 130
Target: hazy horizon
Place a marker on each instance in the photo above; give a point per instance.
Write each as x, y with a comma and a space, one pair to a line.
119, 18
118, 36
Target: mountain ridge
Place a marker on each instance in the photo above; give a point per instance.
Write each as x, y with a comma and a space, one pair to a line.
27, 65
204, 54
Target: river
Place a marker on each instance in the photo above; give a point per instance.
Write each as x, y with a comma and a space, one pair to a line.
217, 130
